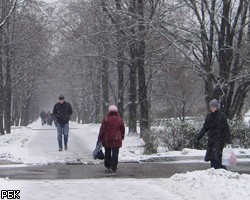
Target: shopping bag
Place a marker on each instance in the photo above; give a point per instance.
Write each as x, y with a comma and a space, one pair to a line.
100, 155
97, 153
228, 156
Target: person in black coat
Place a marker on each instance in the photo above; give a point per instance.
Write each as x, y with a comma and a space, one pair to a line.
217, 127
62, 112
43, 117
50, 118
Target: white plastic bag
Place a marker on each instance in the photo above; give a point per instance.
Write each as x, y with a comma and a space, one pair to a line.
228, 156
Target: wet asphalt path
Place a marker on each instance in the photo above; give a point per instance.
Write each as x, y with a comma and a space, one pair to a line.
125, 170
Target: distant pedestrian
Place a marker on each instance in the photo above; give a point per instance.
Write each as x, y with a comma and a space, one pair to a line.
50, 118
217, 127
62, 112
111, 134
43, 117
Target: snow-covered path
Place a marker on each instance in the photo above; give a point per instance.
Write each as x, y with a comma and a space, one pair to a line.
38, 145
45, 148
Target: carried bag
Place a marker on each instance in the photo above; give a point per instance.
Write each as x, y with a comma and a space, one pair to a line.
97, 153
100, 155
228, 156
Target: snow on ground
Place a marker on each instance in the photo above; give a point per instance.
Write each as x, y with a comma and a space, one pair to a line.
247, 117
37, 144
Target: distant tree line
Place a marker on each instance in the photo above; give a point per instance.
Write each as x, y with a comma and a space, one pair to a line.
24, 53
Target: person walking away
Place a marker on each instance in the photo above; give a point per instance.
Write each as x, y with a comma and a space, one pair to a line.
50, 118
111, 134
217, 128
43, 117
62, 112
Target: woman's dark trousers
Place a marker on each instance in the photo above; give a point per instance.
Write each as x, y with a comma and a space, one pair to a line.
111, 157
217, 165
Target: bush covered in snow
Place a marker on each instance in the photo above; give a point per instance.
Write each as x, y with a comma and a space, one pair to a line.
151, 143
240, 133
176, 134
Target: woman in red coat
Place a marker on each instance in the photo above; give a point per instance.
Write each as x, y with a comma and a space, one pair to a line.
111, 134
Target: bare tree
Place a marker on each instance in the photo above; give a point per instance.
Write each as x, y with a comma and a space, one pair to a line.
82, 58
215, 33
29, 51
6, 10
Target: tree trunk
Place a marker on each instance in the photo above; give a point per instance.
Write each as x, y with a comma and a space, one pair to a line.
97, 92
16, 109
79, 115
8, 95
7, 106
105, 85
1, 83
25, 111
132, 76
143, 101
132, 96
120, 58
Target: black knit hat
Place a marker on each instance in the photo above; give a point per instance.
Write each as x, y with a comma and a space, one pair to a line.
61, 97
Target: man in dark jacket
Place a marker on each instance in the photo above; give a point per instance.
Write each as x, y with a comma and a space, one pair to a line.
62, 112
218, 134
112, 132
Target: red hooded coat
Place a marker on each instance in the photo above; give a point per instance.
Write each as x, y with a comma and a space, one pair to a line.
112, 130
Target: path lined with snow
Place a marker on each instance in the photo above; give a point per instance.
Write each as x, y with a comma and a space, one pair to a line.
38, 145
44, 147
